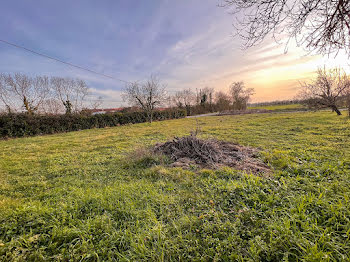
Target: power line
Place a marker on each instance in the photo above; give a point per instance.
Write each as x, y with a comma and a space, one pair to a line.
63, 62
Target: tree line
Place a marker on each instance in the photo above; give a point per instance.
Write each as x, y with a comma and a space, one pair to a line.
208, 100
56, 95
42, 94
329, 89
152, 93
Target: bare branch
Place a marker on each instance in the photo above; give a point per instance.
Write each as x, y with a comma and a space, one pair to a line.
29, 92
71, 92
326, 90
240, 95
320, 25
147, 95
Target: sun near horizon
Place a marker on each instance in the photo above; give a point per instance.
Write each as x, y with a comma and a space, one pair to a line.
186, 44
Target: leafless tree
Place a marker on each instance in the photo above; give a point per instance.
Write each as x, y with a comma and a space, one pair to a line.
41, 93
147, 95
96, 103
184, 98
30, 92
52, 106
222, 100
322, 25
326, 90
5, 96
240, 95
71, 92
209, 92
205, 96
347, 97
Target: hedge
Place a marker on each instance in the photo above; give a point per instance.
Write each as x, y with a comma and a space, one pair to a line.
19, 125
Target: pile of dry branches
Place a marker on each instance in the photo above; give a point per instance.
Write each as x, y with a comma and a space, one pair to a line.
211, 153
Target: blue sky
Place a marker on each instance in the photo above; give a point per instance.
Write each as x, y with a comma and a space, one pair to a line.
186, 43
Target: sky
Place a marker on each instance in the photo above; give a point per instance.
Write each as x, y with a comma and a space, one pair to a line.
185, 43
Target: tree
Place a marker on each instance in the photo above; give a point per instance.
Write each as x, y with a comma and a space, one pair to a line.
205, 97
30, 92
5, 97
41, 93
347, 97
222, 100
147, 95
326, 90
51, 106
184, 98
71, 92
322, 25
209, 92
95, 104
240, 95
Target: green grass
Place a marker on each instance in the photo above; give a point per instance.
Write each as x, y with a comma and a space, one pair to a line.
80, 196
290, 107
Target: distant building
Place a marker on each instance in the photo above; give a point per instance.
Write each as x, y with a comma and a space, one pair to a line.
161, 108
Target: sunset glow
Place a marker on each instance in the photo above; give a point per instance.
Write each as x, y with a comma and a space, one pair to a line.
187, 44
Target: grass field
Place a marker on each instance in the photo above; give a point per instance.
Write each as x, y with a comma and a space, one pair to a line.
290, 107
81, 196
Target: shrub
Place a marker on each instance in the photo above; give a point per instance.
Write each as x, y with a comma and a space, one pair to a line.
19, 125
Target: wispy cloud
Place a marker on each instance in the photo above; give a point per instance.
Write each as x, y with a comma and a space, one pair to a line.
188, 44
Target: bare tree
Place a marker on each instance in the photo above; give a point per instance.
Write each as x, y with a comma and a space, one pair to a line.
240, 95
209, 91
96, 103
5, 94
198, 97
222, 101
326, 90
52, 106
322, 25
71, 92
347, 97
41, 93
81, 90
31, 92
146, 96
205, 97
184, 98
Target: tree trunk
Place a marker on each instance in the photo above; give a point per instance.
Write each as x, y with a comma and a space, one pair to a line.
150, 116
27, 106
188, 110
335, 108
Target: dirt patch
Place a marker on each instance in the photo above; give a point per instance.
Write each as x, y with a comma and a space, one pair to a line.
190, 150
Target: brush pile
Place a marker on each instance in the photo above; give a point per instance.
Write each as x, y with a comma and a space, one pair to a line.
190, 150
